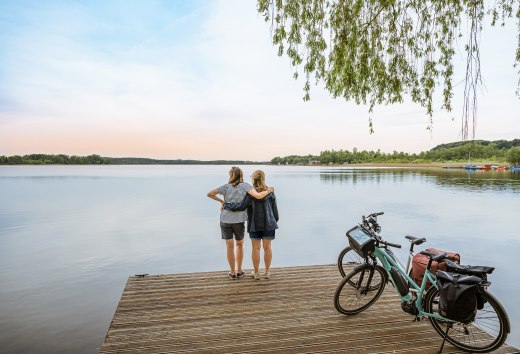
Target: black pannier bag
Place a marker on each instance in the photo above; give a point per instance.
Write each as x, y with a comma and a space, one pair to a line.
458, 296
479, 271
360, 241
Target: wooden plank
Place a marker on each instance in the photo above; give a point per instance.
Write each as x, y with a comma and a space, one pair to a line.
292, 312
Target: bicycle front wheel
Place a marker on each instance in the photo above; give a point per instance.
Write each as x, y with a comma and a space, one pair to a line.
348, 259
359, 289
487, 332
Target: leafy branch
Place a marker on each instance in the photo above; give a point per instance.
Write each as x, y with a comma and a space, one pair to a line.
377, 52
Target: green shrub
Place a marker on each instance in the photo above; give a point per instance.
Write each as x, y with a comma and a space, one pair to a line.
513, 156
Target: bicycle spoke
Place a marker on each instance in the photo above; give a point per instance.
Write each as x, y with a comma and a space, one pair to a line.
356, 293
347, 260
485, 333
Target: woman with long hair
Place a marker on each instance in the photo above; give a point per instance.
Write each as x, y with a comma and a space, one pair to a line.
262, 222
232, 222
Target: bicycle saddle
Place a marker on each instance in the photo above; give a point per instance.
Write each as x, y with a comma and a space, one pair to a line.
435, 257
415, 240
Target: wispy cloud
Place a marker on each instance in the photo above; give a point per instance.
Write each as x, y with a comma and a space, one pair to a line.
184, 80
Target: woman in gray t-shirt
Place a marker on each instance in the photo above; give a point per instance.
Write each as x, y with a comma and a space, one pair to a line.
232, 222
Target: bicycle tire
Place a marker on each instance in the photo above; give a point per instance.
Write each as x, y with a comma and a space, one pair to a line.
489, 330
352, 289
348, 258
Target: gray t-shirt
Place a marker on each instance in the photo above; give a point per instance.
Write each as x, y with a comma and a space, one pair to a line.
234, 195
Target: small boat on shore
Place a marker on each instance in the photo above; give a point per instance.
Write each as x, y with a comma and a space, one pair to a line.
486, 167
472, 167
498, 168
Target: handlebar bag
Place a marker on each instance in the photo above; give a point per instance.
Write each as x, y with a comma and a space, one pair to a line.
458, 296
360, 241
420, 262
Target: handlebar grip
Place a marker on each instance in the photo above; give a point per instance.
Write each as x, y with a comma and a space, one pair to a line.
372, 215
393, 245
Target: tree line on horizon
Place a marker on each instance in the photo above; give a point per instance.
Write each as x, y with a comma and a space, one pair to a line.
46, 159
62, 159
498, 151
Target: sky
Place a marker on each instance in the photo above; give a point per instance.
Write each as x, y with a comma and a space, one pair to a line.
201, 80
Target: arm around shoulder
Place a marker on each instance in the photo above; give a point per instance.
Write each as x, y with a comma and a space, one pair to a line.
239, 206
260, 195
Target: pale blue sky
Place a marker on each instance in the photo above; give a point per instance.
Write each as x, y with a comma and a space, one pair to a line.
199, 79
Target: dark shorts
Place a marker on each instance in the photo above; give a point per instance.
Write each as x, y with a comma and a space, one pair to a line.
228, 230
262, 235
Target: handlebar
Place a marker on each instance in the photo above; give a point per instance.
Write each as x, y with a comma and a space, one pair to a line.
370, 225
392, 244
370, 222
373, 215
380, 241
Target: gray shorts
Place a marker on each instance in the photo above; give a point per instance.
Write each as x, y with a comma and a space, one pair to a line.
228, 230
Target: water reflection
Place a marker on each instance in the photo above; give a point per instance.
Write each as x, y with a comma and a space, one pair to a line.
476, 181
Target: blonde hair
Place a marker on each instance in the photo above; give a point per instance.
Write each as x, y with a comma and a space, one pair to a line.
235, 176
259, 180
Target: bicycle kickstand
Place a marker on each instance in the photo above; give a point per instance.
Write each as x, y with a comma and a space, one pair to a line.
448, 327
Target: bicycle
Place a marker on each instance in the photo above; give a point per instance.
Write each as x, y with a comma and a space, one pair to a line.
348, 257
487, 330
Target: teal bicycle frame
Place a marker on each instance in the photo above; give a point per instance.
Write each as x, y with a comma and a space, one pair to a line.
387, 261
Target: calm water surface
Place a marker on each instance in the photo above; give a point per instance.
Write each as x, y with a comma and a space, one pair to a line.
71, 235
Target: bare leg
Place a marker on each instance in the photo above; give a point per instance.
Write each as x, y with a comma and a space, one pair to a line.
230, 252
255, 254
239, 255
268, 254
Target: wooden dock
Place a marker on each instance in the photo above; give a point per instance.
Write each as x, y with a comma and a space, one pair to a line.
292, 312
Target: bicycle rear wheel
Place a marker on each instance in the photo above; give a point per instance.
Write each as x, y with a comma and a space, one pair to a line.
487, 332
348, 259
359, 289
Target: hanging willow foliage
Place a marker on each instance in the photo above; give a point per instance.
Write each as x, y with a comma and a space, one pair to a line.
378, 51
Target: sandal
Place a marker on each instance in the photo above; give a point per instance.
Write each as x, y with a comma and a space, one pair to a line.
232, 275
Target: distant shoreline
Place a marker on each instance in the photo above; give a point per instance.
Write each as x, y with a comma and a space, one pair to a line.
208, 163
407, 164
90, 160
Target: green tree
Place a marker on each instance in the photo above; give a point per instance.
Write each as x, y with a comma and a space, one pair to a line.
378, 51
513, 155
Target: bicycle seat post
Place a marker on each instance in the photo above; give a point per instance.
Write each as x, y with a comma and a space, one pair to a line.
410, 255
413, 241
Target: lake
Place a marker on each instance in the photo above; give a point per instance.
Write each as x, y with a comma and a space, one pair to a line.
70, 236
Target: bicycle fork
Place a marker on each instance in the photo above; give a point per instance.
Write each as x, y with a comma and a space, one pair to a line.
364, 290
